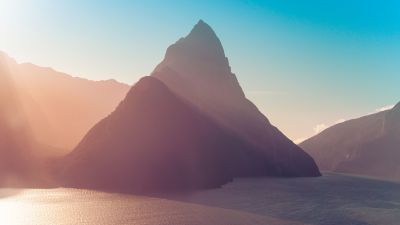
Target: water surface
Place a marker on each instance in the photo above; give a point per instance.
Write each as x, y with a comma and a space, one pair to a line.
333, 199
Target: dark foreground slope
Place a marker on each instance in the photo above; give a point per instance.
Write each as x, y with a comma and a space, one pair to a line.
368, 145
155, 141
196, 69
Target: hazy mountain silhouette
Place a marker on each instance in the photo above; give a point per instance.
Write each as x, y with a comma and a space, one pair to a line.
199, 132
60, 108
155, 141
369, 145
15, 140
195, 68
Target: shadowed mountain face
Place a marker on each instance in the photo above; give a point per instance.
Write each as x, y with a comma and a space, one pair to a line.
15, 142
368, 145
188, 126
59, 108
196, 69
154, 141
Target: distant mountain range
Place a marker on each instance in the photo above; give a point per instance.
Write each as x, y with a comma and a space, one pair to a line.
369, 145
59, 108
187, 126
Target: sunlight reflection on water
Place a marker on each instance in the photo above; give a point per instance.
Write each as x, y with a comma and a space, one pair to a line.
329, 200
71, 206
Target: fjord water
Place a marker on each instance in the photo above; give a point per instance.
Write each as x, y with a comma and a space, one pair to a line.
332, 199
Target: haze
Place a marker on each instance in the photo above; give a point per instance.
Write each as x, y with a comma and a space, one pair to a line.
281, 53
199, 112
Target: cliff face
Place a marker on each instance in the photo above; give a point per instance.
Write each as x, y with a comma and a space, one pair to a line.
15, 141
368, 145
154, 141
59, 108
187, 126
70, 106
196, 69
44, 113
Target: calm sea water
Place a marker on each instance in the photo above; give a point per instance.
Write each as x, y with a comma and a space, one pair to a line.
329, 200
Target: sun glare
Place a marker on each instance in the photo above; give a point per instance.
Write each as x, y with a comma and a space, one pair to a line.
11, 11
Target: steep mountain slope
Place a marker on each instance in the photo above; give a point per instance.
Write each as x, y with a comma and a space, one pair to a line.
154, 141
368, 145
15, 142
196, 69
61, 109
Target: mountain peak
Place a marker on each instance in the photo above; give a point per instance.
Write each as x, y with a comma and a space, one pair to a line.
148, 86
201, 44
148, 82
202, 30
6, 58
199, 59
397, 107
395, 114
203, 36
3, 54
392, 121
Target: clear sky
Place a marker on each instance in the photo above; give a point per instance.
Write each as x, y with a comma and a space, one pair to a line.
306, 64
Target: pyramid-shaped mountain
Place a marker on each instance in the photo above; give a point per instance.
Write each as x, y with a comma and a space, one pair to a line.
187, 126
155, 141
197, 70
369, 145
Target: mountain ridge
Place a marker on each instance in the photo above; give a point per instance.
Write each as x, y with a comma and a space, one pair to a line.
159, 143
202, 75
162, 138
61, 108
367, 146
15, 139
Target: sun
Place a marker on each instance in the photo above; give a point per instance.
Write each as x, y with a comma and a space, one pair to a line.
11, 11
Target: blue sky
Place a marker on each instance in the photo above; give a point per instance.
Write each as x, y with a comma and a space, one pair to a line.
306, 64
